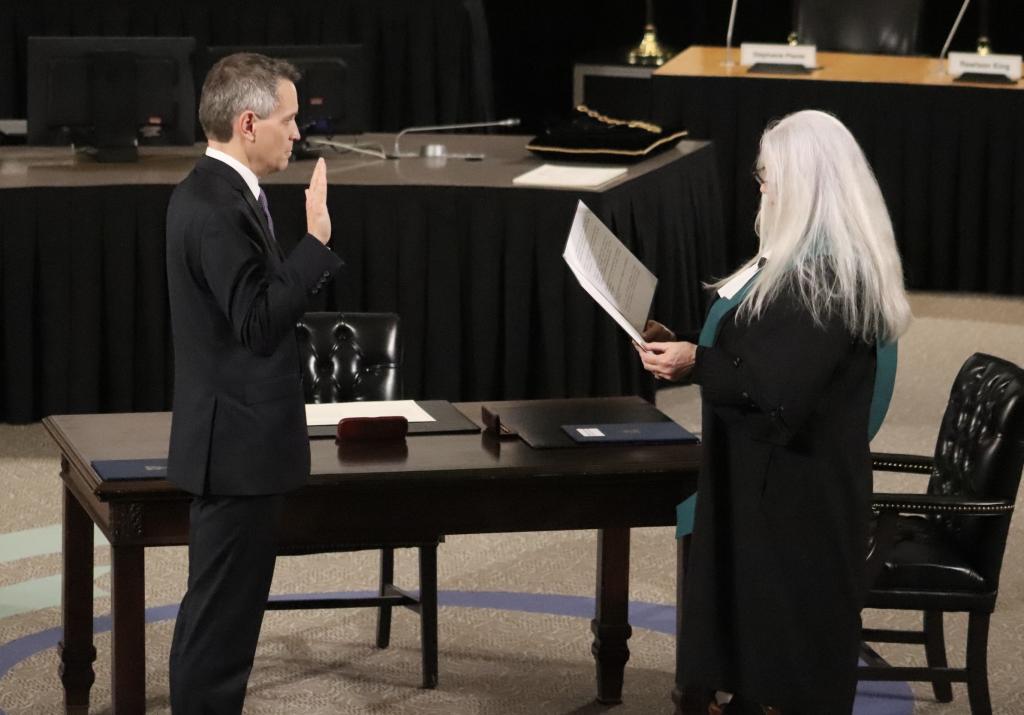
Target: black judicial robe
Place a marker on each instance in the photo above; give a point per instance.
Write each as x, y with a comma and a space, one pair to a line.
771, 608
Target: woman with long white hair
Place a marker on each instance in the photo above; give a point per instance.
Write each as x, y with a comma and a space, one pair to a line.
796, 363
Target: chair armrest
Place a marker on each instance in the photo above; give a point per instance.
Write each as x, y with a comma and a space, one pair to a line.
907, 463
933, 504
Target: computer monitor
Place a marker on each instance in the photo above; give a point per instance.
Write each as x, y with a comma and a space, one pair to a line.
331, 92
111, 93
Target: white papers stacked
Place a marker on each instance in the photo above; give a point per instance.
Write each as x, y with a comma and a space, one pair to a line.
612, 275
331, 413
572, 177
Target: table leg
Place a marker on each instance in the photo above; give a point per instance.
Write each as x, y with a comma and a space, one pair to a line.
77, 651
687, 700
128, 634
428, 614
611, 622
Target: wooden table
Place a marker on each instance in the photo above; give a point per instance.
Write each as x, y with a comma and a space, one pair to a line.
434, 484
949, 156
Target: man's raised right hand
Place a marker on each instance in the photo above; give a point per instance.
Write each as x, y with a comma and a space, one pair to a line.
318, 220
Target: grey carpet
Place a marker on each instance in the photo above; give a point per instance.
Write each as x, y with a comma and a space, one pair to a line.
491, 661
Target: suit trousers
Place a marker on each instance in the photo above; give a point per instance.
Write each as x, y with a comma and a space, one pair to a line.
231, 554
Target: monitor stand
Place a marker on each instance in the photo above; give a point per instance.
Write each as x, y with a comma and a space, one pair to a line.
116, 154
114, 107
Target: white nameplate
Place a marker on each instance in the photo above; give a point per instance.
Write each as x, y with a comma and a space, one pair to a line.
1007, 65
752, 53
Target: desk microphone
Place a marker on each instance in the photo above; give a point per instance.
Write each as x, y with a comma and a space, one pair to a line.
440, 151
728, 35
945, 47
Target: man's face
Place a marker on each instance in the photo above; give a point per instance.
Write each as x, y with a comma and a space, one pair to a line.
275, 134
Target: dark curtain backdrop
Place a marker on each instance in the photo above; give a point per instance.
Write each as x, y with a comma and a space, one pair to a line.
951, 164
489, 309
949, 160
536, 42
428, 61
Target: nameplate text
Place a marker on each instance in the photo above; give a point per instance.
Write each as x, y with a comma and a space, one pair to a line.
963, 62
752, 53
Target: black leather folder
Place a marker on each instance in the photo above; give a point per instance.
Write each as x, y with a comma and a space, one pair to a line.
539, 422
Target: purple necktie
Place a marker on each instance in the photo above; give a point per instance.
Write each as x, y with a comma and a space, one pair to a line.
266, 210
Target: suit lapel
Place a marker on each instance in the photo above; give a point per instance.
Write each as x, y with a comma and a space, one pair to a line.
252, 209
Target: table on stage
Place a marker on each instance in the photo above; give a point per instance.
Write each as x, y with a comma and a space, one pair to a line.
435, 484
471, 263
949, 156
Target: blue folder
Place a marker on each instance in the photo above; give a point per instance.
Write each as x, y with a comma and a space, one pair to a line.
115, 469
629, 433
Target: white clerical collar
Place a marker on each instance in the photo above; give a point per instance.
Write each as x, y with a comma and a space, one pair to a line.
733, 287
242, 169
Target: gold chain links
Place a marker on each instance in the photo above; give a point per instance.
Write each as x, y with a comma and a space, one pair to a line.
995, 509
922, 468
636, 123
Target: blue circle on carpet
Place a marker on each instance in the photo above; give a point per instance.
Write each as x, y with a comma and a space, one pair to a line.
873, 697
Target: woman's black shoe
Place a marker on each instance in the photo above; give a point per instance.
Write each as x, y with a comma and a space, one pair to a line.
742, 706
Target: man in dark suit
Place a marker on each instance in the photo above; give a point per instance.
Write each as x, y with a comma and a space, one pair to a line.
238, 435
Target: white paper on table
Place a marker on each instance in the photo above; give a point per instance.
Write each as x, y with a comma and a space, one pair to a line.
332, 412
576, 177
613, 276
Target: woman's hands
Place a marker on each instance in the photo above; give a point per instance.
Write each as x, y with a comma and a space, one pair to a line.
655, 332
667, 359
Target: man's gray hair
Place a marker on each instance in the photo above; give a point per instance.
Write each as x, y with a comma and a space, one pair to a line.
242, 82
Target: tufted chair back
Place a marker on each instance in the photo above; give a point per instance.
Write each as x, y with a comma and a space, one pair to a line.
879, 27
980, 454
347, 357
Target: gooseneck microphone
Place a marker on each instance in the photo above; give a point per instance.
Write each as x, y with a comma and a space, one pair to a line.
728, 35
949, 39
440, 151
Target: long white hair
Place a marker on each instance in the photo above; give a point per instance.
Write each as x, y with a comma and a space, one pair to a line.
824, 222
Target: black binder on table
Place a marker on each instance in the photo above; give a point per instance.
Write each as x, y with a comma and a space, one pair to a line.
539, 422
447, 420
630, 433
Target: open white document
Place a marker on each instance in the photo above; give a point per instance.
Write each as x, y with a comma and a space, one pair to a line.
612, 275
572, 177
332, 412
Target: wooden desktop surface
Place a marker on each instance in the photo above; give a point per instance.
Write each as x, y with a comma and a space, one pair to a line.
435, 484
833, 67
506, 157
84, 439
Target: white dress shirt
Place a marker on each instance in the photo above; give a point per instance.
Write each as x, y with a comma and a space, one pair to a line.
242, 169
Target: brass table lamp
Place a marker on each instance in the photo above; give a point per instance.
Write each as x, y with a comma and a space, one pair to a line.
649, 52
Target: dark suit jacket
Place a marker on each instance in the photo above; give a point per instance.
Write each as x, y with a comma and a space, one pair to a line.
239, 424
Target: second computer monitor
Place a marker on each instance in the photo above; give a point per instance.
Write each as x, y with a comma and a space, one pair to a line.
331, 92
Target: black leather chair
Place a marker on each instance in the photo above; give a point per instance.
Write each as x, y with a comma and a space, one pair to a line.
878, 27
350, 357
942, 551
